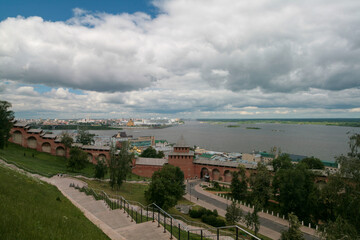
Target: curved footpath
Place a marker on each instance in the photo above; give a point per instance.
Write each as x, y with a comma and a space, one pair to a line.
270, 226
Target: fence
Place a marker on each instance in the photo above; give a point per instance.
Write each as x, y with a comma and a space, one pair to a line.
178, 228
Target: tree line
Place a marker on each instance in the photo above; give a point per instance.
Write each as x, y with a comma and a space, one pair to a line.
292, 189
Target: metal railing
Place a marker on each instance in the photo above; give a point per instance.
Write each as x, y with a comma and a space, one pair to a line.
180, 228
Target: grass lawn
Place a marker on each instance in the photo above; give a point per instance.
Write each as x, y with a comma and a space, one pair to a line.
31, 209
45, 164
130, 191
42, 163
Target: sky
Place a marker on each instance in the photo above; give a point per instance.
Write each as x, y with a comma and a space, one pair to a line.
181, 58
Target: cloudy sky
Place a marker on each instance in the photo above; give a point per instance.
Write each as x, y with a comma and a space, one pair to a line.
181, 58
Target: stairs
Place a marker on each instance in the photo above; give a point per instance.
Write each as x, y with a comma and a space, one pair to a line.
116, 219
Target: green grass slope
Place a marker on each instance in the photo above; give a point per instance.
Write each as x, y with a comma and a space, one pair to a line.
31, 209
42, 163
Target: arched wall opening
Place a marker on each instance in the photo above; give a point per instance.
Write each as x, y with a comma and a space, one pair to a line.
46, 147
32, 142
17, 137
60, 151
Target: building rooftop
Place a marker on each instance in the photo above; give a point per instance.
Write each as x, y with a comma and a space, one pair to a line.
151, 161
265, 154
92, 147
223, 163
35, 130
190, 153
20, 124
181, 142
49, 136
206, 155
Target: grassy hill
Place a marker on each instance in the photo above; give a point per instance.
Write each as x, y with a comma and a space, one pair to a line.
46, 164
40, 162
31, 209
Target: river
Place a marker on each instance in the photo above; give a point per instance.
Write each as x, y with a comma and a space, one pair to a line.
324, 142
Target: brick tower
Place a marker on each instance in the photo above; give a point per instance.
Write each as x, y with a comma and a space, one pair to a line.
183, 158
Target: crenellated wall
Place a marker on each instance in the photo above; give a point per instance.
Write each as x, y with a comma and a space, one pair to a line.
181, 157
30, 138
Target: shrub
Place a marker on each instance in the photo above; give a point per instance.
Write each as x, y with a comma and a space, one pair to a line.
213, 221
215, 213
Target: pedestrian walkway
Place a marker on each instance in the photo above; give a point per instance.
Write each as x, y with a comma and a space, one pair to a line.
115, 223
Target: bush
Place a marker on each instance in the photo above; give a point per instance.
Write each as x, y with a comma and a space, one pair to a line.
217, 185
215, 212
197, 213
213, 221
207, 216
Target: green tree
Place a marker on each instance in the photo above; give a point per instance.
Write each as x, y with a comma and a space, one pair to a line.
293, 233
340, 229
233, 214
282, 162
6, 117
252, 219
100, 169
239, 184
150, 152
166, 187
312, 163
341, 196
120, 165
78, 159
85, 137
261, 185
296, 191
67, 140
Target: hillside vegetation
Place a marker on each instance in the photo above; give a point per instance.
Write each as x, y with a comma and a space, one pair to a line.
31, 209
40, 162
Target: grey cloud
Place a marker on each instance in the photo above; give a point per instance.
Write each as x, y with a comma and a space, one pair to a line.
279, 46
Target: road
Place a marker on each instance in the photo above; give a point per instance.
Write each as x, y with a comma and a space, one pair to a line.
263, 221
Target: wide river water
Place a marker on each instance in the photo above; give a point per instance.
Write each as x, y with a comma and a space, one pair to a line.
324, 142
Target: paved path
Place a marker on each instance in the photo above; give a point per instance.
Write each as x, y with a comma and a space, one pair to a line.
270, 226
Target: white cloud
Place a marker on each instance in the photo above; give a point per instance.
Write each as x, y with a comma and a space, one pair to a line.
195, 56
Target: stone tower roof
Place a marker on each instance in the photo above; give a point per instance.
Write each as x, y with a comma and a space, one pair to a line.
181, 142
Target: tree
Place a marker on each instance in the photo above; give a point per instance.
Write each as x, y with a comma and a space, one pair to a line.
100, 169
78, 159
282, 162
312, 163
296, 191
260, 185
293, 233
151, 153
85, 137
239, 187
340, 198
252, 219
6, 117
340, 229
233, 214
67, 140
120, 165
166, 187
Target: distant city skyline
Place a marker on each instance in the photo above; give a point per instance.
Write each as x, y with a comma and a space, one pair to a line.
180, 59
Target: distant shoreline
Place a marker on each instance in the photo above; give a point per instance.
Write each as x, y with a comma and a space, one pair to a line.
327, 122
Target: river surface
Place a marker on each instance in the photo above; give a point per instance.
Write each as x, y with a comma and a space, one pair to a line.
324, 142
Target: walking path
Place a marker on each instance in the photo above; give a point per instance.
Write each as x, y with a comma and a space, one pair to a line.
270, 226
